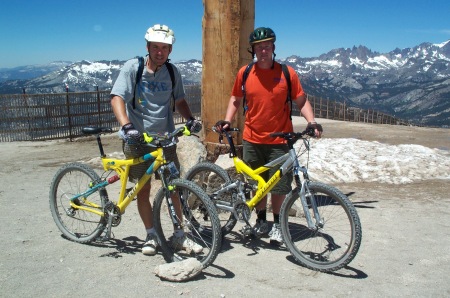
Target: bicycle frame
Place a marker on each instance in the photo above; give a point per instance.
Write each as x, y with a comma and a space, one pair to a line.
289, 162
122, 168
264, 187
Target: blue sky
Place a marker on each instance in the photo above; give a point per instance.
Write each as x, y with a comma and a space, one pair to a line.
38, 32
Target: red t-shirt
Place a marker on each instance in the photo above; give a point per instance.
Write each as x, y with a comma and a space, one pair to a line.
266, 93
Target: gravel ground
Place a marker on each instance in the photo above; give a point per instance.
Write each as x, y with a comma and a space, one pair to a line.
405, 249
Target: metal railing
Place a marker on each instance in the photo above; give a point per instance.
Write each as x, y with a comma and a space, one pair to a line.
30, 117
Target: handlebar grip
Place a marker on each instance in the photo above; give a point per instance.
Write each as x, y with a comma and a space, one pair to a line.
186, 131
228, 129
147, 138
310, 132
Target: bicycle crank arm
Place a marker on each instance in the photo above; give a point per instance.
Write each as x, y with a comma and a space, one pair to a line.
108, 226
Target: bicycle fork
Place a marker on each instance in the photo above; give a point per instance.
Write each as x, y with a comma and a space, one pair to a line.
305, 197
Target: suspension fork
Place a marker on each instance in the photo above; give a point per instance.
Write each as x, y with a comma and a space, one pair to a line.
305, 193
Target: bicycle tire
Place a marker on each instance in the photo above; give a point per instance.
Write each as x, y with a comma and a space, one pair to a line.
210, 177
327, 249
200, 223
75, 224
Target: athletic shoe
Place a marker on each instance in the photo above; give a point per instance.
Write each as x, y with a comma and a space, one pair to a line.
186, 244
261, 227
150, 246
275, 235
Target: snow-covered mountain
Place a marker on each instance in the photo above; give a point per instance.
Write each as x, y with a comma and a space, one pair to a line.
30, 71
86, 76
411, 83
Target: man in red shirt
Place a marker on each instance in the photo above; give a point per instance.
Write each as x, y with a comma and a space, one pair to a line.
267, 111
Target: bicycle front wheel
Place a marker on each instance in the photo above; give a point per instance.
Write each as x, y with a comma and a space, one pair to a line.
75, 223
211, 178
202, 235
334, 241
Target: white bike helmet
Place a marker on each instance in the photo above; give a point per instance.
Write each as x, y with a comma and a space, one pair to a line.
160, 33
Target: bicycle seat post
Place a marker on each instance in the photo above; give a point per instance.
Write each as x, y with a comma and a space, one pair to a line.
100, 146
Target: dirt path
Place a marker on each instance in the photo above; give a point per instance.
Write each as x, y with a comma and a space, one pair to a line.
405, 249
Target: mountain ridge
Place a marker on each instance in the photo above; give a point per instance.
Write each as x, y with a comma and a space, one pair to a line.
411, 83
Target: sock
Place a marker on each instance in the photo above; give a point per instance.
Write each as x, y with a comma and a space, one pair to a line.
276, 218
178, 233
151, 231
262, 214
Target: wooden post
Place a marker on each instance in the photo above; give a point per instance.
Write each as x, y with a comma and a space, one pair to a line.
226, 25
99, 121
68, 113
344, 110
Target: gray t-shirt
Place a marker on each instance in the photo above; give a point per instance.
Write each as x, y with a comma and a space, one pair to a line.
153, 112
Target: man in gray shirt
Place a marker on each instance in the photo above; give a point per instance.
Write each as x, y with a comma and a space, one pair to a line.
146, 107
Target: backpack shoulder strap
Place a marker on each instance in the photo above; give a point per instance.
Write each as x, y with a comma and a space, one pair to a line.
288, 82
138, 78
172, 78
244, 79
171, 73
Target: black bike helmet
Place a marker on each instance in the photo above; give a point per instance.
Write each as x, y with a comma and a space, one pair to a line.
262, 34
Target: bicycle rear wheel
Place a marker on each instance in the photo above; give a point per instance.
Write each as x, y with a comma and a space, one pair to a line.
200, 222
326, 248
210, 177
76, 224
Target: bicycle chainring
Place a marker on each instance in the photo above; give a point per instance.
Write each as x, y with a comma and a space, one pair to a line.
117, 217
243, 211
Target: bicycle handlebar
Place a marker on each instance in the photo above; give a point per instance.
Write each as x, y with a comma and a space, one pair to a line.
224, 130
156, 137
285, 135
290, 137
294, 135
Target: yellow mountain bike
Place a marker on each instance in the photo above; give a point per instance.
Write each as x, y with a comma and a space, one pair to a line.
83, 211
319, 224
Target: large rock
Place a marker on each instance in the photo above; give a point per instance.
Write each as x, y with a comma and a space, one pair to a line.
190, 152
179, 271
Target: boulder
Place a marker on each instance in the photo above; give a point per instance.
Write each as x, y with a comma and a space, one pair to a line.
179, 271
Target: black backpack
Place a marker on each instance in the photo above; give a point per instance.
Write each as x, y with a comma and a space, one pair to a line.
288, 81
141, 71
